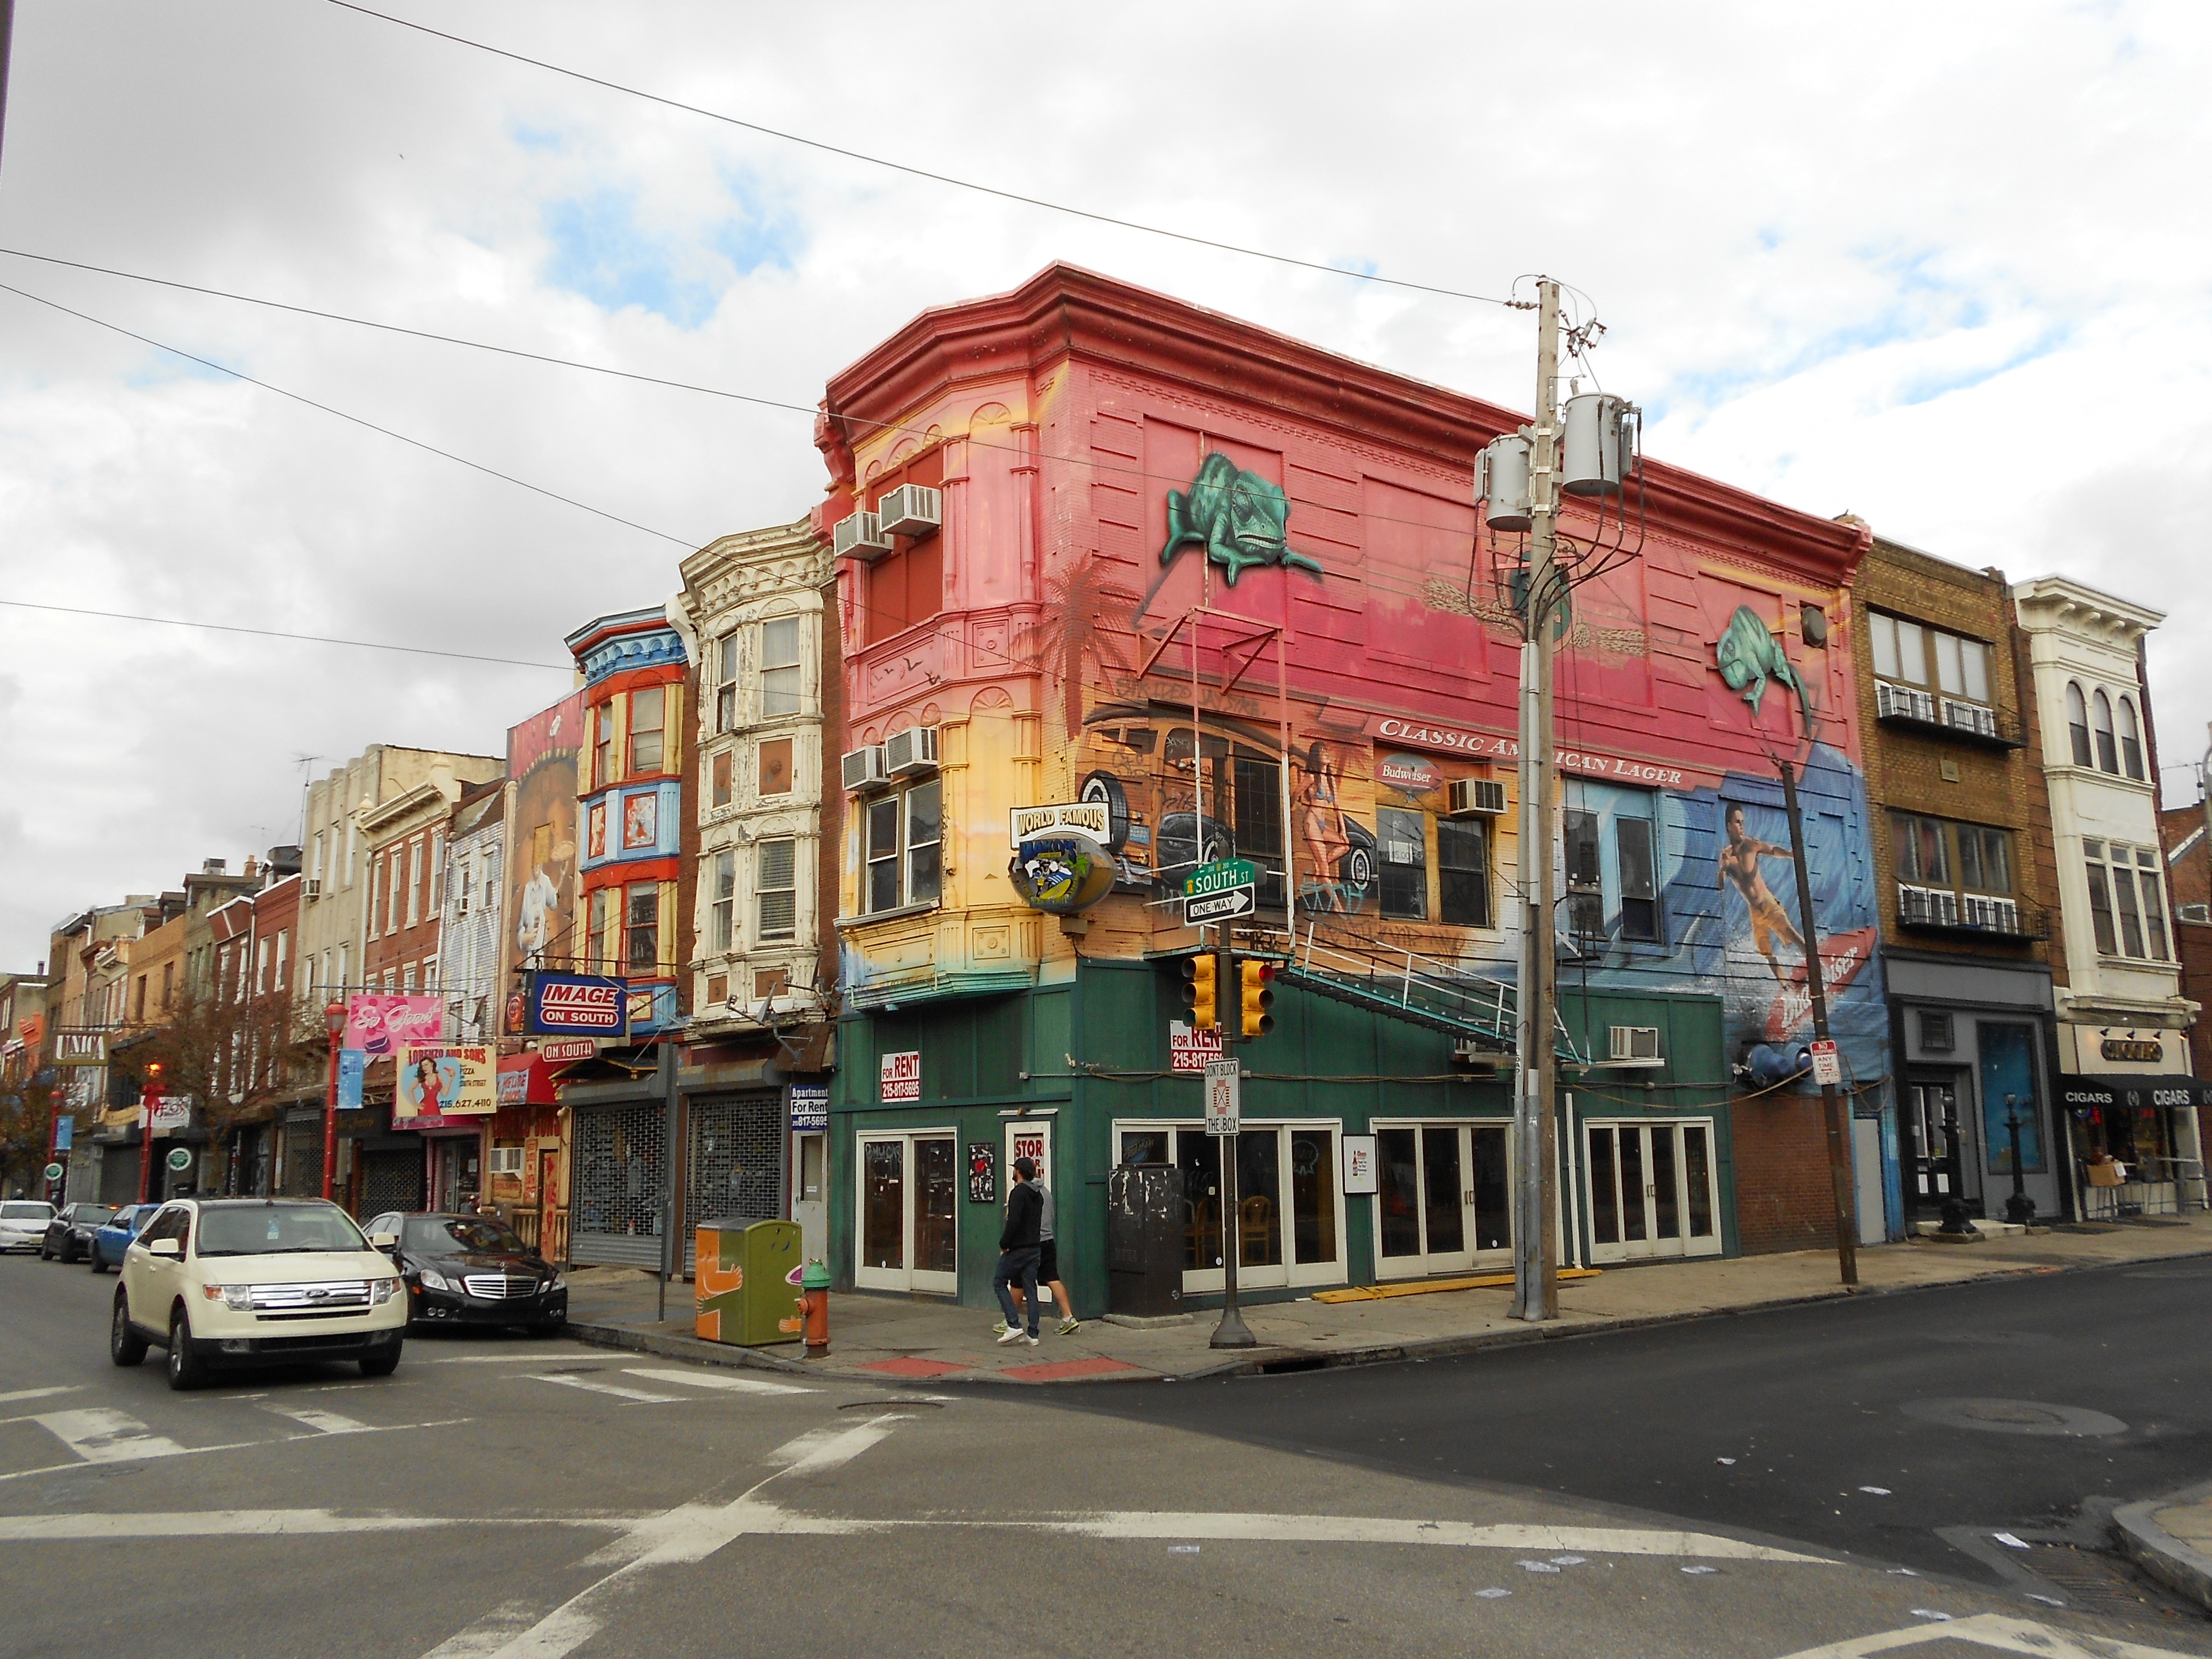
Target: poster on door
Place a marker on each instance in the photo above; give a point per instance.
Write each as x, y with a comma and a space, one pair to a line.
1034, 1142
982, 1173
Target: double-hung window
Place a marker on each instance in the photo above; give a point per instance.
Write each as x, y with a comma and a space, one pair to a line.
1924, 674
1954, 875
1584, 874
722, 924
903, 834
1609, 861
649, 714
642, 937
1463, 872
603, 743
2127, 899
775, 882
780, 668
1404, 894
726, 657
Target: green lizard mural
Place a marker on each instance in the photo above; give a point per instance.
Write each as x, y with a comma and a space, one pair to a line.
1237, 517
1749, 656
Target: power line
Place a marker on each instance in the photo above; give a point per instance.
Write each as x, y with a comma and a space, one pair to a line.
282, 634
936, 178
416, 443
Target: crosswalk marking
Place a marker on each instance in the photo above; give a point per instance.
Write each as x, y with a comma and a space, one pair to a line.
36, 1393
322, 1422
637, 1396
714, 1380
100, 1436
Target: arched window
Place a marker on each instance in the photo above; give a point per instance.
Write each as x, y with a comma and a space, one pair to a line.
2108, 757
2130, 740
2077, 724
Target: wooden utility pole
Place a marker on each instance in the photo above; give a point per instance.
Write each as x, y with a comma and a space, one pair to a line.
1536, 1242
1832, 1104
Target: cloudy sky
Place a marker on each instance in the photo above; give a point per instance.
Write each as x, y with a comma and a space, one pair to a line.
1944, 266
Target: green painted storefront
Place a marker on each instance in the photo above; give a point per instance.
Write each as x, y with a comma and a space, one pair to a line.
1088, 1055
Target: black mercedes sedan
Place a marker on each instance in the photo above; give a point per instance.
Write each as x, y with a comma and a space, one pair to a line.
471, 1270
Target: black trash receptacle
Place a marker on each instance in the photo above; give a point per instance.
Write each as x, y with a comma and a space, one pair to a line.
1144, 1242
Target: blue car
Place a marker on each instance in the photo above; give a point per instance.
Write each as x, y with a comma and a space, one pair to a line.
109, 1243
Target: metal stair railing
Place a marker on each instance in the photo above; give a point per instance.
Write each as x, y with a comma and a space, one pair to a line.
1425, 989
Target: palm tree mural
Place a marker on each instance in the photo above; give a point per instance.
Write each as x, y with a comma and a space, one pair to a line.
1087, 614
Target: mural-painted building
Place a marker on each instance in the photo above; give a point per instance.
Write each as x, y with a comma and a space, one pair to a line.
1231, 588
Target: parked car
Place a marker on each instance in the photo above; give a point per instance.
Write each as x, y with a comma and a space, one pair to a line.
244, 1281
23, 1222
474, 1270
69, 1235
113, 1236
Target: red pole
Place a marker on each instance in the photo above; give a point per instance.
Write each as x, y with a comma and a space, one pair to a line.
334, 1019
146, 1104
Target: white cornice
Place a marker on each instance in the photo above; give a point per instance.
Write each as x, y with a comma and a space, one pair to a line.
2051, 603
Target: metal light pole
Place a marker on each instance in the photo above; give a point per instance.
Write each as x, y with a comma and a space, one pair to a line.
2020, 1208
149, 1099
1535, 1247
334, 1015
1832, 1104
1232, 1332
672, 1258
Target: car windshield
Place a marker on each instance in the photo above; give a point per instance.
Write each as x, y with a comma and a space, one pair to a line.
26, 1212
93, 1215
443, 1234
277, 1230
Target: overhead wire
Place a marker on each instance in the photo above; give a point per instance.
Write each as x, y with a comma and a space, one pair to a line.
914, 171
280, 634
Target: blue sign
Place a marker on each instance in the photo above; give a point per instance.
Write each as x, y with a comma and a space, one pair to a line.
810, 1105
64, 1134
353, 1066
576, 1004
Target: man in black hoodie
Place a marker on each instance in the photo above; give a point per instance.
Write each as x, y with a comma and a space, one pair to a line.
1018, 1252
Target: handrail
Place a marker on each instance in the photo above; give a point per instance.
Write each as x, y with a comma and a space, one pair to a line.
1480, 1003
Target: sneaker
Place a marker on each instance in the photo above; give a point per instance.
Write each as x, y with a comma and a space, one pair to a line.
998, 1327
1069, 1326
1030, 1338
1011, 1336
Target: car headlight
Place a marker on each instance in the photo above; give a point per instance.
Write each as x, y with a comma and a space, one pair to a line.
381, 1290
437, 1280
239, 1298
556, 1283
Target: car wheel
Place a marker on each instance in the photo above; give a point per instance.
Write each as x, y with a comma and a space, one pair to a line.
68, 1253
381, 1364
1357, 867
187, 1370
46, 1251
124, 1345
98, 1266
1103, 789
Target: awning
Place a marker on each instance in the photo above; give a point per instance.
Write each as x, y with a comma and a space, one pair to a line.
2082, 1094
527, 1080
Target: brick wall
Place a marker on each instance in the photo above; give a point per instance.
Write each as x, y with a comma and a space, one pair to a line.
1783, 1197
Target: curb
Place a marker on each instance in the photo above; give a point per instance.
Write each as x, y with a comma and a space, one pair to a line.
2166, 1558
1275, 1360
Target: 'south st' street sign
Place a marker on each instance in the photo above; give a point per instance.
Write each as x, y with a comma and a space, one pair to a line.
1220, 874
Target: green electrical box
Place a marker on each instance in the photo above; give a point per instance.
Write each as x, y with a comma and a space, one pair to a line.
748, 1282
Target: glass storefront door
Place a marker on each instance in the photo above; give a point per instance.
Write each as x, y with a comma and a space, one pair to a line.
1932, 1175
909, 1213
1653, 1190
1289, 1226
1440, 1205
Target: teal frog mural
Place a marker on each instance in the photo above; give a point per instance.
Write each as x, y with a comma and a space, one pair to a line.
1749, 656
1238, 517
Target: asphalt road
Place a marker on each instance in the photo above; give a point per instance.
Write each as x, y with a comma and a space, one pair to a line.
1785, 1422
506, 1496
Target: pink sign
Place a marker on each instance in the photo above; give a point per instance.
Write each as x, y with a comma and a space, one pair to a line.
379, 1024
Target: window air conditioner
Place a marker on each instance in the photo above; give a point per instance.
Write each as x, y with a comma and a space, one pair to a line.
1996, 915
1929, 907
1969, 717
507, 1160
914, 749
1903, 702
911, 510
863, 767
310, 888
1470, 795
859, 536
2194, 912
1635, 1044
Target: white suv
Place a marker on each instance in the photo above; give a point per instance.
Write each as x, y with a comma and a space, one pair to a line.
240, 1281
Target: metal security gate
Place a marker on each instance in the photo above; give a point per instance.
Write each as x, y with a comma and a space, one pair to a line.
735, 1164
303, 1160
616, 1172
391, 1181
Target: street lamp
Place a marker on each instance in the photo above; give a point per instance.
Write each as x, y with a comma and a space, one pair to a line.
2020, 1208
149, 1100
334, 1015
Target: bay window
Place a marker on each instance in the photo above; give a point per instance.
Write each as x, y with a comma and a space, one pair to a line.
2127, 899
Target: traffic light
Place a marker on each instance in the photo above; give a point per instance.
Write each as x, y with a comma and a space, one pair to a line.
1201, 991
1255, 998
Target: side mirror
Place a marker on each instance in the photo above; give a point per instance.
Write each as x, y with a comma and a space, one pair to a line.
164, 1247
384, 1241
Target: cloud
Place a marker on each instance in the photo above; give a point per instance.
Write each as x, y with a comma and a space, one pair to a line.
1951, 289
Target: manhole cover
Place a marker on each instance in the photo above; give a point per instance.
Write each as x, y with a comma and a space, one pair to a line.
2013, 1416
1998, 1338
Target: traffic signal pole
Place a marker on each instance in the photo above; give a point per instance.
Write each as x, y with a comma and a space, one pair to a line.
1536, 1200
1232, 1332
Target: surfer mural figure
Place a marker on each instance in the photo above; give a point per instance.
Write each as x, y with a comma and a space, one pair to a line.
1740, 868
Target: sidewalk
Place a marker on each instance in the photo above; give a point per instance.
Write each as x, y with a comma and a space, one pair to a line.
2172, 1537
883, 1339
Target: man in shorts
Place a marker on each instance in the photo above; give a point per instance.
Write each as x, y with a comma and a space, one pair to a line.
1740, 868
1048, 1272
